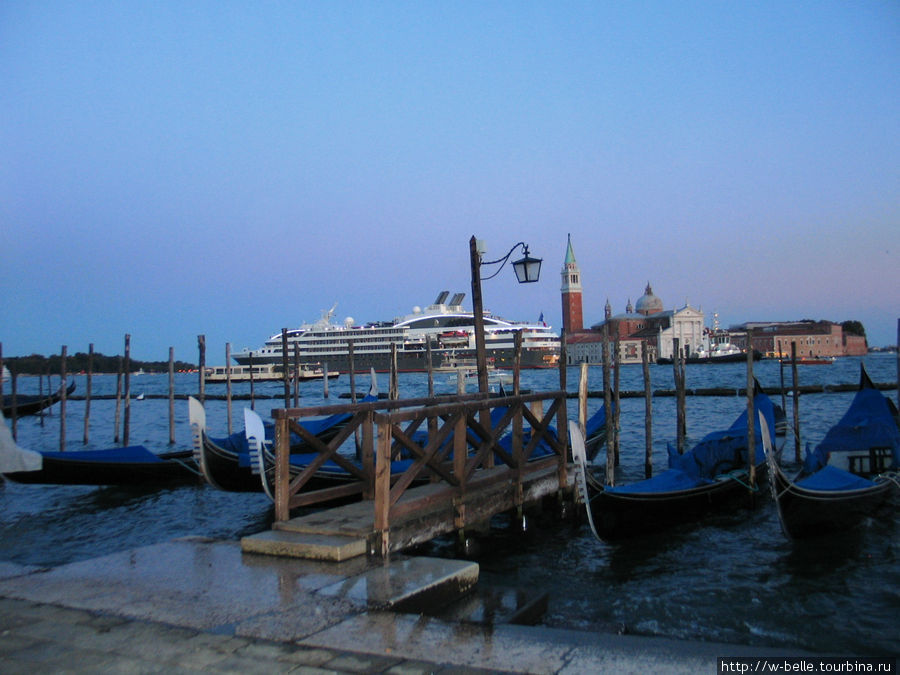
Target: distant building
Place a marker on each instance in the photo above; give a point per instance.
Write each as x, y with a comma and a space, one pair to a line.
572, 318
646, 323
812, 338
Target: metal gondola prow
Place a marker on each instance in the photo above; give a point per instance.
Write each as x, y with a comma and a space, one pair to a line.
579, 458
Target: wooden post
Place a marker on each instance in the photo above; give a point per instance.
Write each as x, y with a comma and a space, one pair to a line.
297, 375
172, 396
126, 422
252, 395
517, 363
751, 414
87, 395
62, 400
15, 407
368, 454
679, 401
383, 486
325, 380
617, 363
478, 315
228, 385
282, 469
201, 346
796, 401
429, 368
518, 425
118, 402
351, 358
607, 401
648, 411
394, 390
285, 372
781, 371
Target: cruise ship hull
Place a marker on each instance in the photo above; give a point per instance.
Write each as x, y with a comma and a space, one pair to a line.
446, 328
417, 362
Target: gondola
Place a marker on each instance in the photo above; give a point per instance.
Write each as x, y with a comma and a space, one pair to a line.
26, 404
828, 500
713, 476
866, 440
131, 465
848, 475
329, 475
226, 462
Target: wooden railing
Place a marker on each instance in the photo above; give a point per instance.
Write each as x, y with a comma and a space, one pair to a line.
462, 440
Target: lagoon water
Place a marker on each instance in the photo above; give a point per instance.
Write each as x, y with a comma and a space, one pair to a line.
732, 578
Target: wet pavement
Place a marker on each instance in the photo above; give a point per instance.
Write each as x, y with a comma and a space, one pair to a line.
202, 605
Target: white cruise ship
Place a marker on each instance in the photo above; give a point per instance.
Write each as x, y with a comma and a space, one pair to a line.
447, 327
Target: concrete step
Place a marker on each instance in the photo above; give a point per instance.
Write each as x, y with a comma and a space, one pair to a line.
411, 585
495, 606
332, 548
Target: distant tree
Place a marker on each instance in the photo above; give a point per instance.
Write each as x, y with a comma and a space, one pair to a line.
36, 364
853, 328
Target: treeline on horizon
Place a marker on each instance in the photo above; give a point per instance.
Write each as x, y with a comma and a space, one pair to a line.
36, 364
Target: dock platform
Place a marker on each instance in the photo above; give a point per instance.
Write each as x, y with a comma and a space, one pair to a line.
201, 605
427, 511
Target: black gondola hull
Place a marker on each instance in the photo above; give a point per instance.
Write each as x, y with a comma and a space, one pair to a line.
619, 515
810, 513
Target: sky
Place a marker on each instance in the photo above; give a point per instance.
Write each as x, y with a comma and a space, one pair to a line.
171, 169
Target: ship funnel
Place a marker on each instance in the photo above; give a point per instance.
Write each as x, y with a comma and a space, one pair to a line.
441, 297
457, 300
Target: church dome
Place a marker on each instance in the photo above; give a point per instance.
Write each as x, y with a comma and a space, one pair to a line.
648, 303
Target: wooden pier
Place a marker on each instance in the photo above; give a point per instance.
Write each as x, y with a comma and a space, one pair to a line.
457, 477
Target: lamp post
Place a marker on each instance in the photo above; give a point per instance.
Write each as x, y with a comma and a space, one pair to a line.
527, 269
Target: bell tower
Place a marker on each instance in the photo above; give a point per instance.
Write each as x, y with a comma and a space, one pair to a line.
572, 319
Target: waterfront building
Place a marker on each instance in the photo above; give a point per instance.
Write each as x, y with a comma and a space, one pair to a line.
647, 322
813, 339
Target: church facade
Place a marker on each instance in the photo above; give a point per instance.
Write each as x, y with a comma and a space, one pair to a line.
646, 324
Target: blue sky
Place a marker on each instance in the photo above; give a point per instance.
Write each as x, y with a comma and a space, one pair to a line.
231, 168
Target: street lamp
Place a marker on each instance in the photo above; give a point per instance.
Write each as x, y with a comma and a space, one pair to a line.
528, 270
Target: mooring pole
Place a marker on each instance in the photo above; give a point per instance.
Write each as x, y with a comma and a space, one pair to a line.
126, 423
201, 388
796, 401
228, 384
751, 414
172, 396
607, 401
87, 395
617, 363
285, 372
62, 400
648, 411
117, 414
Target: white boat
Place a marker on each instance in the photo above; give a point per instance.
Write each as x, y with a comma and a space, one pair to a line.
262, 373
446, 327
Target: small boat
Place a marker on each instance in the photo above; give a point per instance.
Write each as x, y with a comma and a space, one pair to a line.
267, 372
848, 475
809, 361
866, 440
32, 404
828, 500
131, 465
712, 476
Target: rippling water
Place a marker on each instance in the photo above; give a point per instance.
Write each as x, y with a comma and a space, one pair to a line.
733, 578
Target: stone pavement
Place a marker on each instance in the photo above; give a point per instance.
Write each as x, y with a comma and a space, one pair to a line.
199, 605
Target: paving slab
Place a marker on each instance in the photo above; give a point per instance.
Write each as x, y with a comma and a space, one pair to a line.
199, 604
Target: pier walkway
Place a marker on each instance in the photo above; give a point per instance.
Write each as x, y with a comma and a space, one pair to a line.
199, 605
